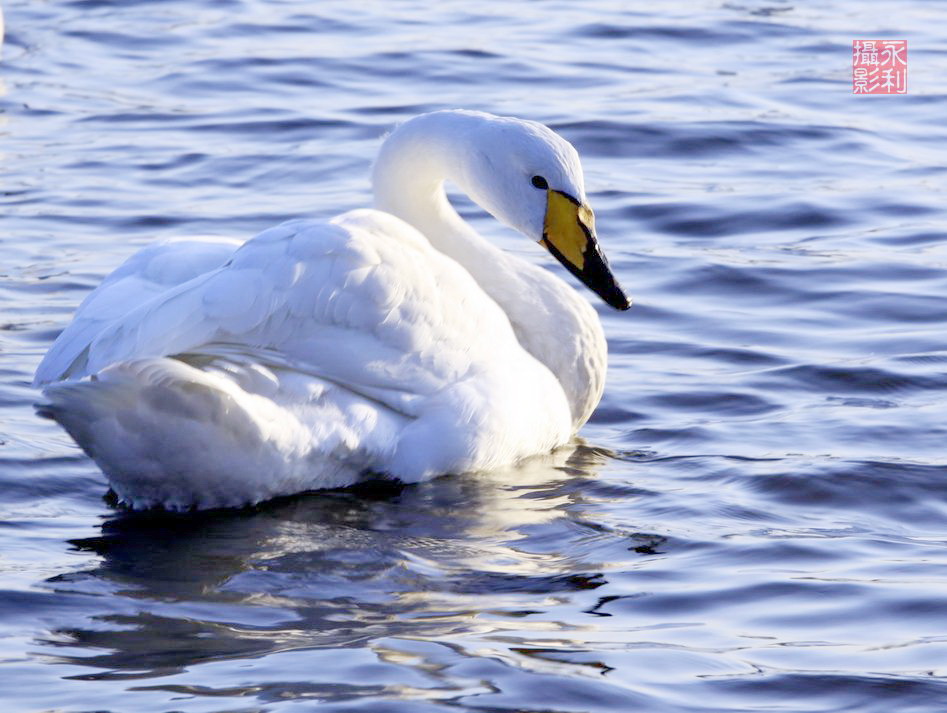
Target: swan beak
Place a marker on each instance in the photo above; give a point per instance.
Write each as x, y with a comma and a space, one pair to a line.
569, 234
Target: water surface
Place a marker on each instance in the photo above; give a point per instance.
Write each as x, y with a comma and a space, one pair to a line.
756, 518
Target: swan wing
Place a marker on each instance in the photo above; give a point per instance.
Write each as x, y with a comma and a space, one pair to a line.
363, 302
145, 275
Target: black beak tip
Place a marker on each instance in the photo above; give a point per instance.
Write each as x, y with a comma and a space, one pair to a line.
616, 298
596, 275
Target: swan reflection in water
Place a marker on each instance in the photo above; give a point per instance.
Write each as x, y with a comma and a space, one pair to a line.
482, 554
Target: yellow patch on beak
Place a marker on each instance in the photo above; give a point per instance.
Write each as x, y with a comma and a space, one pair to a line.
569, 226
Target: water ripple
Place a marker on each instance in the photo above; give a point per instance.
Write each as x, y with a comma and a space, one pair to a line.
755, 518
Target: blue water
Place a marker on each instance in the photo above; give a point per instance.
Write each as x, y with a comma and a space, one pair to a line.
756, 517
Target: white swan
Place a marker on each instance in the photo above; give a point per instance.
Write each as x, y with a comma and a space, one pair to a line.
392, 341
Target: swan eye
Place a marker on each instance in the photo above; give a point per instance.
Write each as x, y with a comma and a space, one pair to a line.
539, 182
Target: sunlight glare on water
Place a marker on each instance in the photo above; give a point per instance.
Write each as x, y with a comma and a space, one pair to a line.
755, 519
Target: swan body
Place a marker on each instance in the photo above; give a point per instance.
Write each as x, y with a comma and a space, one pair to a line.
206, 372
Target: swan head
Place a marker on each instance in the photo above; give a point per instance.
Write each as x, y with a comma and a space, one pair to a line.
530, 178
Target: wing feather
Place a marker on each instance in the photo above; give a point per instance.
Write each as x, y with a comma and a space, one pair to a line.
145, 275
363, 302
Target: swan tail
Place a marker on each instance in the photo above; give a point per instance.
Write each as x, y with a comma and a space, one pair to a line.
167, 434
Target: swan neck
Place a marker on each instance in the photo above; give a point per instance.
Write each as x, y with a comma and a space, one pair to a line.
551, 321
409, 175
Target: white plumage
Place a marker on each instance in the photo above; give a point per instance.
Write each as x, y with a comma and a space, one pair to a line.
316, 352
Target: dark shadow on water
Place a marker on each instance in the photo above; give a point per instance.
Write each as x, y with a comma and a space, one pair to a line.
335, 569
